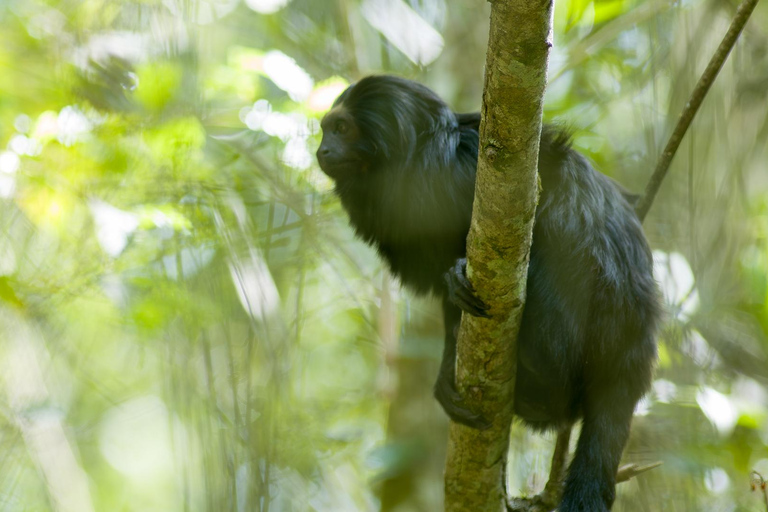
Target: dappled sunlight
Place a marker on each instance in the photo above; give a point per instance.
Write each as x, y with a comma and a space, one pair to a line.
718, 408
113, 226
405, 29
255, 288
135, 438
287, 75
72, 126
675, 277
266, 6
717, 480
325, 94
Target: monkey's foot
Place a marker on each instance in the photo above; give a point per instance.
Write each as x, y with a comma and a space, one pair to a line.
461, 292
453, 405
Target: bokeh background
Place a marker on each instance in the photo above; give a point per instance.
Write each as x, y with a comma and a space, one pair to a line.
187, 322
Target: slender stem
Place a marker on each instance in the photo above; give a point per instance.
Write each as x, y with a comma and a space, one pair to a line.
697, 97
554, 486
758, 482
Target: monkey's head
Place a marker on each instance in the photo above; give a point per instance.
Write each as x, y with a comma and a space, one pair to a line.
380, 123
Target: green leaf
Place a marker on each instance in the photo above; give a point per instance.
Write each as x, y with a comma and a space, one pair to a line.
7, 293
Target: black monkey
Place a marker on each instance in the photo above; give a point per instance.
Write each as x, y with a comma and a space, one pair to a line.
404, 168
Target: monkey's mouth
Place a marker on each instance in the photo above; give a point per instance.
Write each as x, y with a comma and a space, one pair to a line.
340, 168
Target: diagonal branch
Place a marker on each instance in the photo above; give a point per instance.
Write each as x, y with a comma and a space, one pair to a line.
697, 97
547, 500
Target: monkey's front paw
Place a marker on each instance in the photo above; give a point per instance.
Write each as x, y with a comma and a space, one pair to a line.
461, 292
454, 406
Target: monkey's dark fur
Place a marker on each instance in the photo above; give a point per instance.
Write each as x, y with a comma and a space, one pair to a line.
404, 168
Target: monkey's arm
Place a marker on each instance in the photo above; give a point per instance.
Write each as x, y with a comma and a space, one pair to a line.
460, 296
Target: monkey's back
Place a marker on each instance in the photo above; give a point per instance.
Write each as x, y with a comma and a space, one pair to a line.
592, 304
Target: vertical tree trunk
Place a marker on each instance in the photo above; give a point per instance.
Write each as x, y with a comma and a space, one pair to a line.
499, 241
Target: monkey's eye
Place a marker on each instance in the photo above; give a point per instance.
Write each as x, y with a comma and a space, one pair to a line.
341, 127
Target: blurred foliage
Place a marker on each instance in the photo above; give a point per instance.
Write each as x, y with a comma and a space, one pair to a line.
187, 322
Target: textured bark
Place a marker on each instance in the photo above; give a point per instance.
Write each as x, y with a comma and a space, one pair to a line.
499, 241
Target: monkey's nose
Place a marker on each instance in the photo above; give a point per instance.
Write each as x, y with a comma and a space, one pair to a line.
323, 152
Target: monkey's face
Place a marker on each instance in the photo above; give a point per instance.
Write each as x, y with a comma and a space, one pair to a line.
340, 154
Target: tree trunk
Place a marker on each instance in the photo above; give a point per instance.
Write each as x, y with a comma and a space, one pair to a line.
498, 246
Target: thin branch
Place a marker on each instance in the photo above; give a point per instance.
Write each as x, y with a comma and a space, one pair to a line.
550, 496
758, 482
697, 97
629, 471
547, 501
554, 488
